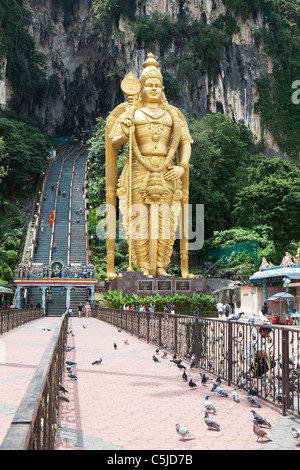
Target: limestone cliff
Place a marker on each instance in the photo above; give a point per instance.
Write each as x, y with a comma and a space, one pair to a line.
89, 69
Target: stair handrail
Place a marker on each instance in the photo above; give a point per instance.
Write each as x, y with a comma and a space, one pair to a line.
38, 213
85, 213
70, 208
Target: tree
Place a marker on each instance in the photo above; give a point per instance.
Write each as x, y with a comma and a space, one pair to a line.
218, 166
3, 170
271, 197
26, 151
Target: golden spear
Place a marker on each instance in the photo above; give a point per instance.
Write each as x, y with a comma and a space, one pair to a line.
130, 87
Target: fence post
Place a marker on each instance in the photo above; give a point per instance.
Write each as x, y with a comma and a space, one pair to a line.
148, 326
159, 330
174, 319
197, 358
285, 371
229, 349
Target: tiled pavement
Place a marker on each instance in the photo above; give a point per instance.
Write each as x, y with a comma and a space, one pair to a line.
128, 402
21, 350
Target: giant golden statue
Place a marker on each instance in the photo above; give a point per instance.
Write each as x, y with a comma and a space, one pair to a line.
152, 189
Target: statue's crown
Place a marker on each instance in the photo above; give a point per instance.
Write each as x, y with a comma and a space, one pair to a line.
150, 69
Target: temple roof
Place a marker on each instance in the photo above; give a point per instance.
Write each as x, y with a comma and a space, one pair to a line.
276, 273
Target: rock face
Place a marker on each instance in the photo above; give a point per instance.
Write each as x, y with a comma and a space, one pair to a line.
89, 69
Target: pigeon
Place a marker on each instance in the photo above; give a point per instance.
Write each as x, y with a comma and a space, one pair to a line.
278, 394
252, 401
83, 326
204, 378
157, 351
70, 363
155, 359
216, 385
72, 376
70, 348
236, 316
176, 361
295, 433
251, 319
98, 361
208, 406
115, 345
184, 376
242, 384
47, 329
263, 319
252, 391
220, 391
260, 433
211, 424
181, 366
235, 395
164, 355
184, 432
62, 389
260, 420
193, 361
119, 330
62, 397
126, 341
192, 384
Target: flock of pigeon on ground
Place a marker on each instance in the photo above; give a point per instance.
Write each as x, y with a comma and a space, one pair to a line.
259, 423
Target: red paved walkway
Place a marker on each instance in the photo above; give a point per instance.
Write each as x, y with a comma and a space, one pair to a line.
128, 402
21, 350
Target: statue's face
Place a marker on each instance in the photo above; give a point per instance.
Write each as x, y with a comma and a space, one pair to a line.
152, 90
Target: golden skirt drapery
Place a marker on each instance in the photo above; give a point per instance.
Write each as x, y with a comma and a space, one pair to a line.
154, 214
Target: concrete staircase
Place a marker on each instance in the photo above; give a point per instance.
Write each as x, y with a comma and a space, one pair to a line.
57, 305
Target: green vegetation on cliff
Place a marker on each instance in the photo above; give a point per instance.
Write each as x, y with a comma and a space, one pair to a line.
280, 39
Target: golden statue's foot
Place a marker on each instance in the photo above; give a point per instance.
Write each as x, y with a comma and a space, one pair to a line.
144, 271
112, 276
187, 275
162, 272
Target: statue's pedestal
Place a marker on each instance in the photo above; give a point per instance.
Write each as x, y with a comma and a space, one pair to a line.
134, 282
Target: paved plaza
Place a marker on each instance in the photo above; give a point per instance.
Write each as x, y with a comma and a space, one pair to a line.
129, 402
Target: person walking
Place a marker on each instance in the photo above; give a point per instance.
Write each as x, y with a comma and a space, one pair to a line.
87, 309
227, 309
80, 310
220, 309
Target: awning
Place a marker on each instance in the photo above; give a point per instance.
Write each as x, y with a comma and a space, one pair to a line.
282, 296
6, 290
277, 273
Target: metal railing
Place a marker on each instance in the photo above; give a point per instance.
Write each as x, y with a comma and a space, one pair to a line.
35, 422
229, 349
12, 318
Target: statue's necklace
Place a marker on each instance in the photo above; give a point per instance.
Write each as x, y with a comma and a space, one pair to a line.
155, 125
